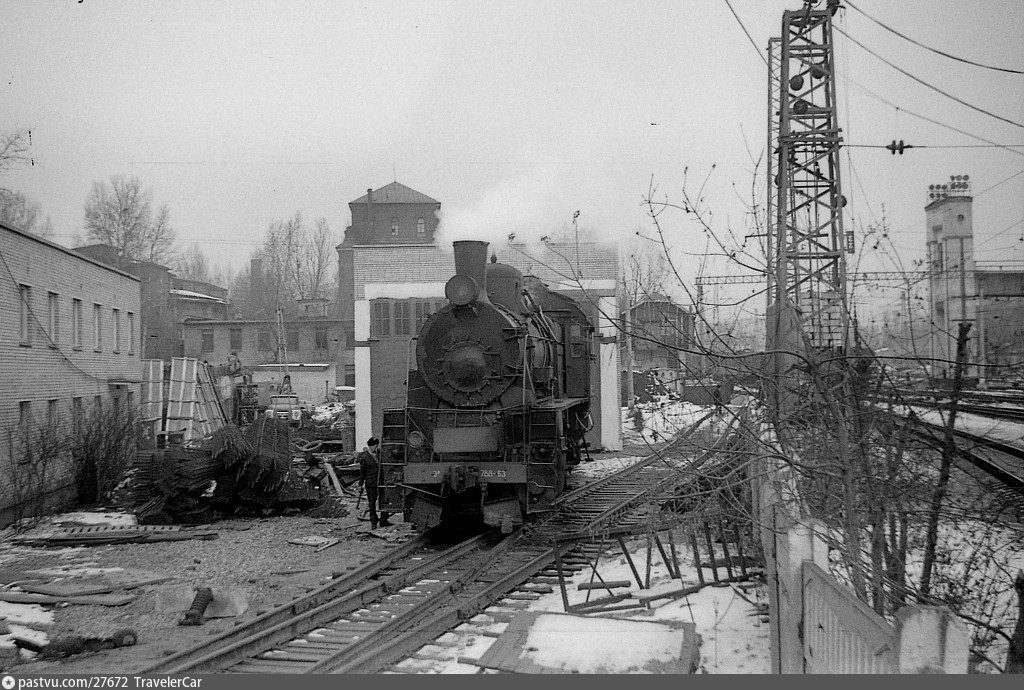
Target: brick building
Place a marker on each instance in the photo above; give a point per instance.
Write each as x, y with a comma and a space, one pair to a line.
69, 346
397, 286
311, 346
988, 295
167, 301
391, 215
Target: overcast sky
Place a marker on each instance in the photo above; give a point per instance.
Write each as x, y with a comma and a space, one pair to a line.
514, 115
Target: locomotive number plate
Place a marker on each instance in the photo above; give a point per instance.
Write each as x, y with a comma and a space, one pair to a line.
436, 472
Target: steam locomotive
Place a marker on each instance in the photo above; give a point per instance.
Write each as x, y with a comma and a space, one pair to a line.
498, 404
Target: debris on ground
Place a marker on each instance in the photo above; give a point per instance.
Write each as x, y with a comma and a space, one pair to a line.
231, 471
224, 602
63, 647
319, 542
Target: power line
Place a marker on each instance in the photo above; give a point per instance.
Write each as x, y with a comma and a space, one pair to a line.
938, 146
929, 119
934, 88
751, 38
930, 86
934, 50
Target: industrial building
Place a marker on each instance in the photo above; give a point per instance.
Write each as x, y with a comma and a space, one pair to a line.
69, 348
987, 295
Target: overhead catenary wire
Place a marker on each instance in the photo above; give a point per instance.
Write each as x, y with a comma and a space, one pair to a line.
934, 50
900, 108
937, 146
751, 38
929, 85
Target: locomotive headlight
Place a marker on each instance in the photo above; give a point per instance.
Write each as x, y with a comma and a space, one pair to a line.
461, 290
415, 440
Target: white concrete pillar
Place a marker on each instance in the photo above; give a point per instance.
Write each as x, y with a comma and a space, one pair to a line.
364, 384
608, 361
929, 639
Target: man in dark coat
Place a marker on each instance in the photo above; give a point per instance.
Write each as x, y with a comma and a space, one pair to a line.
369, 476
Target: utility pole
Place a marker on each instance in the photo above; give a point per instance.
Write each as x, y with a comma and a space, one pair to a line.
808, 246
628, 323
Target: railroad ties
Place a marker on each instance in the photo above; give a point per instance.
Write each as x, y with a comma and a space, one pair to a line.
389, 609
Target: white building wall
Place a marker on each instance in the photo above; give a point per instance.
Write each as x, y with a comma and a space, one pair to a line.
611, 415
364, 413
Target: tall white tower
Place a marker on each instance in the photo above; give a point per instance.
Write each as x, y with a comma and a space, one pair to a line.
952, 288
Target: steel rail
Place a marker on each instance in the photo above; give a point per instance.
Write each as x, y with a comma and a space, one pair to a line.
382, 651
389, 651
1005, 465
676, 478
634, 468
372, 643
297, 617
425, 619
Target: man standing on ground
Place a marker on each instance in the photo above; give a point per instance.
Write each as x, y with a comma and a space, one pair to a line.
369, 476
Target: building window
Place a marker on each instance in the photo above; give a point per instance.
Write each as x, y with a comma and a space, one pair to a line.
25, 419
116, 400
394, 226
53, 317
25, 305
293, 339
266, 341
235, 335
206, 335
131, 333
131, 404
97, 327
76, 323
117, 330
97, 406
51, 415
76, 415
402, 324
421, 227
320, 337
380, 323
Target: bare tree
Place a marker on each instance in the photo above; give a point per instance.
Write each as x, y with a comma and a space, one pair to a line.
192, 264
18, 210
14, 147
120, 214
298, 261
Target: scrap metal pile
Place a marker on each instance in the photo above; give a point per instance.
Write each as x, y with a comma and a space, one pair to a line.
231, 472
207, 466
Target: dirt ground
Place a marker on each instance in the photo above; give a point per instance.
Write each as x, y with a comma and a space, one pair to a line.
250, 556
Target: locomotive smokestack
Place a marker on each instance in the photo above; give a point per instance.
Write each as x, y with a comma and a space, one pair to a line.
471, 261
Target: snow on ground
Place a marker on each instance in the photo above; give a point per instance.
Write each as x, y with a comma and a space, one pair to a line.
1004, 430
602, 467
662, 419
733, 639
597, 645
23, 620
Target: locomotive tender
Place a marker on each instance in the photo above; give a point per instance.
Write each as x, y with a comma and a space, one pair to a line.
498, 404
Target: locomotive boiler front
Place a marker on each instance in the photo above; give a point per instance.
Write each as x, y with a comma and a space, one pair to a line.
468, 353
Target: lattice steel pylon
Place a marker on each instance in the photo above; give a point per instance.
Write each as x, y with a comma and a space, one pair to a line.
807, 255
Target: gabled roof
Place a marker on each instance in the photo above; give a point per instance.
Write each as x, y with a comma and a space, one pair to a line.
396, 193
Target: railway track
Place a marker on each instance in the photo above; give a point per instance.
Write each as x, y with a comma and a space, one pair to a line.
1001, 460
385, 611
